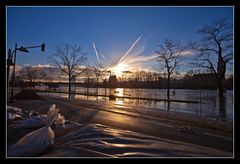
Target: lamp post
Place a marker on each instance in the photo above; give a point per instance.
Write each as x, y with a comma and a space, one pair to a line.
9, 63
59, 84
10, 57
200, 91
14, 63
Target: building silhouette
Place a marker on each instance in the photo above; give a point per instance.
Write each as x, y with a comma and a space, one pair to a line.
112, 81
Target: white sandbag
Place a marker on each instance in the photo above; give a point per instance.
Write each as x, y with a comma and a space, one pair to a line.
60, 120
33, 143
38, 141
51, 115
13, 116
13, 109
33, 122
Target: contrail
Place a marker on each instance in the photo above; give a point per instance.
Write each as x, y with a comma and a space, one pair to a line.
95, 52
129, 50
102, 56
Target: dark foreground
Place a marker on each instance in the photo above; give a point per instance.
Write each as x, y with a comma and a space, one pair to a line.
116, 130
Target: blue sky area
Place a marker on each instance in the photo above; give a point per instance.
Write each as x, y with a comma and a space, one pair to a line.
112, 29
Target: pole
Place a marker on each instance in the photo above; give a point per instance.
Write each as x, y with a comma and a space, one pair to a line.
13, 75
59, 85
8, 67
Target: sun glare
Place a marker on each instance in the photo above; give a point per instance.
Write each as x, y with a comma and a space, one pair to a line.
118, 70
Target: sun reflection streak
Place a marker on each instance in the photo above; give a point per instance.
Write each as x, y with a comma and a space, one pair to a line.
119, 101
119, 92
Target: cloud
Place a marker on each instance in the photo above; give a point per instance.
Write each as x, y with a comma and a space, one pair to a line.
17, 68
187, 53
43, 66
139, 59
27, 65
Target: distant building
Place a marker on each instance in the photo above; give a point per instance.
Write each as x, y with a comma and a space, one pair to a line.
205, 79
112, 80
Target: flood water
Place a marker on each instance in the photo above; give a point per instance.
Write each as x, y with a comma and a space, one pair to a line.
208, 104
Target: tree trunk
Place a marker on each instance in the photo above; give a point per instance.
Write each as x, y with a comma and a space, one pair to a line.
222, 107
221, 70
31, 83
97, 89
87, 85
168, 87
69, 86
220, 90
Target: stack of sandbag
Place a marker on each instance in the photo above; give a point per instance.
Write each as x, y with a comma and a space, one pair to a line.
38, 141
13, 109
13, 113
35, 121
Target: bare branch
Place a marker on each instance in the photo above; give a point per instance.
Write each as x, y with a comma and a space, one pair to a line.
216, 42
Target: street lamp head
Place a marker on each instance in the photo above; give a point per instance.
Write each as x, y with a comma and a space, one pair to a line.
23, 49
43, 47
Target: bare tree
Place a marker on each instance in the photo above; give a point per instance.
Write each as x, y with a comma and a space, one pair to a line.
32, 73
69, 59
168, 58
189, 74
98, 70
88, 72
142, 75
216, 43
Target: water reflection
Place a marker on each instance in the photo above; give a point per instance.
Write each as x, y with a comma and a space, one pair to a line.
118, 92
119, 101
209, 107
115, 94
168, 105
222, 107
72, 96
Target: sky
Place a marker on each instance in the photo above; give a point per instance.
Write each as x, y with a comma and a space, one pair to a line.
112, 30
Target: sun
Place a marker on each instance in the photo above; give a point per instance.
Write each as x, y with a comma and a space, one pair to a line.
118, 69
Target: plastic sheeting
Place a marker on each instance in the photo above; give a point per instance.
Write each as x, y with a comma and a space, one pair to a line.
38, 141
32, 122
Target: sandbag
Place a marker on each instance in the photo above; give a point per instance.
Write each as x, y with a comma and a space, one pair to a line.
33, 143
38, 141
13, 109
32, 122
60, 120
13, 116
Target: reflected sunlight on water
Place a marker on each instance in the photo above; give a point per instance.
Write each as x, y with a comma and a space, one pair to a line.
118, 92
209, 106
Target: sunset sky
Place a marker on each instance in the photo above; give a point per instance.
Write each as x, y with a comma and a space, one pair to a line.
111, 30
